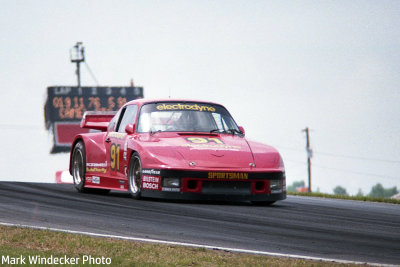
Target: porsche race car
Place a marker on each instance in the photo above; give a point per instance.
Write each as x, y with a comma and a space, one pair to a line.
175, 149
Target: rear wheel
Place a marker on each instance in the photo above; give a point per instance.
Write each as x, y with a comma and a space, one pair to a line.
78, 166
135, 176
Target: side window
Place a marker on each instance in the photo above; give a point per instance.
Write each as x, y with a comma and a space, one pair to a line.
113, 122
220, 121
128, 116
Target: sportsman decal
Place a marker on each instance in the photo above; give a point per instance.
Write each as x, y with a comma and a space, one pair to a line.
228, 175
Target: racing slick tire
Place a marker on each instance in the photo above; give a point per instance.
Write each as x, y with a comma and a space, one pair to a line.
79, 171
135, 176
79, 166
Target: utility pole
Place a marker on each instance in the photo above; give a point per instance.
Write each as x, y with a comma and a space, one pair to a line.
309, 156
77, 54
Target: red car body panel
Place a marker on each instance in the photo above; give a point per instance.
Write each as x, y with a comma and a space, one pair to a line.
208, 164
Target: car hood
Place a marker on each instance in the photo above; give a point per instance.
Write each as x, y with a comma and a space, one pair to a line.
204, 151
212, 151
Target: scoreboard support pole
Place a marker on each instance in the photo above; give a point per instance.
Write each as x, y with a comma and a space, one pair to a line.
78, 56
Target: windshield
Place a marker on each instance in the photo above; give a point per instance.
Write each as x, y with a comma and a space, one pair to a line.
185, 117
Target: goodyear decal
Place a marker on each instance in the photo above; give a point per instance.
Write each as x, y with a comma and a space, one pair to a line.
151, 171
195, 107
228, 175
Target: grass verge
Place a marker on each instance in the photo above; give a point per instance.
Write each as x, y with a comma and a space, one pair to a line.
360, 198
18, 242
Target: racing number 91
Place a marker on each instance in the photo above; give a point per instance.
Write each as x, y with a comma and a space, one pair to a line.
114, 157
202, 140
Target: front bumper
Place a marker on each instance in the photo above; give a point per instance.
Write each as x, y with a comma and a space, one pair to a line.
220, 186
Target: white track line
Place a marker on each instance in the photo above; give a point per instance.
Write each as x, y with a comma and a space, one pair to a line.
195, 245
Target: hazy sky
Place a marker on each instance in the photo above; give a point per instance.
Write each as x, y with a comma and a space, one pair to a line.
278, 66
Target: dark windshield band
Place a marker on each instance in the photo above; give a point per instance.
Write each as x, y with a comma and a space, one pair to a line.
184, 117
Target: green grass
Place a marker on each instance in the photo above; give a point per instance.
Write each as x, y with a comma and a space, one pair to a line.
360, 198
15, 241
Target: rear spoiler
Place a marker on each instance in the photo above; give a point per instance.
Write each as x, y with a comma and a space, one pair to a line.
97, 120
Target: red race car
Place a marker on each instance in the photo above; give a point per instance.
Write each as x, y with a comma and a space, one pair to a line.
175, 149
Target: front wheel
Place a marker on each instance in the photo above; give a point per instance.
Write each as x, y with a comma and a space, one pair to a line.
78, 166
135, 176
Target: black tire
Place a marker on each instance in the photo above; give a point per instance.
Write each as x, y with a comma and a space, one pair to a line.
78, 161
135, 176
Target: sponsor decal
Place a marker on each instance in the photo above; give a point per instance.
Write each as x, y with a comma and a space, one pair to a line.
93, 179
95, 169
96, 179
209, 143
150, 182
212, 147
228, 175
117, 135
152, 179
276, 191
96, 164
169, 189
151, 171
151, 186
186, 107
125, 149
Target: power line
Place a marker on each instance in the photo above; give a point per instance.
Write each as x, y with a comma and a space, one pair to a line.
91, 73
342, 170
356, 157
356, 172
338, 155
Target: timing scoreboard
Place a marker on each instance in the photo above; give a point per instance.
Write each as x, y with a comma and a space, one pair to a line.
65, 106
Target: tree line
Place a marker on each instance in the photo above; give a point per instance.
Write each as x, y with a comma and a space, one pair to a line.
377, 190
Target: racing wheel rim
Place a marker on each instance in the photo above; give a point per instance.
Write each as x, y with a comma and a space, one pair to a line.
78, 167
135, 175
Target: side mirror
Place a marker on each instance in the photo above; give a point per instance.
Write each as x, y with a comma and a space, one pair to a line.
242, 129
130, 128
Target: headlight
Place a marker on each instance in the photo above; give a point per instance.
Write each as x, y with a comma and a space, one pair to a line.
171, 182
275, 186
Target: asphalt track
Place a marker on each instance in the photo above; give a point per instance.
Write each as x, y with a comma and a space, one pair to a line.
325, 228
